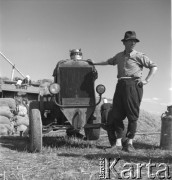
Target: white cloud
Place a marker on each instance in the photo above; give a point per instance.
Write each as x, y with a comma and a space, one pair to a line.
155, 99
151, 100
146, 99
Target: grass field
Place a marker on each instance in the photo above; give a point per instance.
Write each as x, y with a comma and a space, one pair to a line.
75, 159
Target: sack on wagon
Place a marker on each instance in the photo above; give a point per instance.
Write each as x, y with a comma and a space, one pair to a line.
5, 129
43, 88
22, 110
4, 120
26, 132
23, 130
5, 111
20, 120
8, 102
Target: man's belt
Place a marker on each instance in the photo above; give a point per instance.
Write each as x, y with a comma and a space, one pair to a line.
125, 78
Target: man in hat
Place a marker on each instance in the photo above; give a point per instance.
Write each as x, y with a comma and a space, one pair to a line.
129, 91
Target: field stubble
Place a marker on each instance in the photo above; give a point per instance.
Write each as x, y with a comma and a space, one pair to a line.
65, 158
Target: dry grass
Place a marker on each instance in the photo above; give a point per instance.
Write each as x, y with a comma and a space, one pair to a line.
63, 158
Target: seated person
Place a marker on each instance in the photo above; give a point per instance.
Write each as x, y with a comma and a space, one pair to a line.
18, 84
26, 81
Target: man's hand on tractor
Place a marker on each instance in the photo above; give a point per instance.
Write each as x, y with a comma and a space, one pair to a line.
90, 62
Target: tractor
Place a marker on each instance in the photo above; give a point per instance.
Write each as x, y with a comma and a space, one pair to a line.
69, 103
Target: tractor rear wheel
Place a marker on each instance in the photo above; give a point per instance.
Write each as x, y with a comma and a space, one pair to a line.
93, 133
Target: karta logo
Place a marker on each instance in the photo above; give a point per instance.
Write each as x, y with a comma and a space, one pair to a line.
123, 170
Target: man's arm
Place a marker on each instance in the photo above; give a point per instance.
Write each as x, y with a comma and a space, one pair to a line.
102, 63
151, 73
110, 61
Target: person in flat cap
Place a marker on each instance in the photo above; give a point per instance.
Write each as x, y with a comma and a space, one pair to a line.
129, 91
76, 54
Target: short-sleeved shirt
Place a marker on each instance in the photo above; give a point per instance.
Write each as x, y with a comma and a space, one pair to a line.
131, 65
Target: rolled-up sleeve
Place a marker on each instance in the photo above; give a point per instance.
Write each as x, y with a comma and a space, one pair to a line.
112, 61
146, 62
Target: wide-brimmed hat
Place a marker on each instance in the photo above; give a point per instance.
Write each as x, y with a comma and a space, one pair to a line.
130, 35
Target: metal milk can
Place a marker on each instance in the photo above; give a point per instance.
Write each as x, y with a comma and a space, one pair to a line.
166, 129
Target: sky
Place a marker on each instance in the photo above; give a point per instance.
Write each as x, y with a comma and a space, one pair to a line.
36, 34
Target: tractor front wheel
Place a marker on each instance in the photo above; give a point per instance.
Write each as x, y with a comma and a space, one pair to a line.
35, 123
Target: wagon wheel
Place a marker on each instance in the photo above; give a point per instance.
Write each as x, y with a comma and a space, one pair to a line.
35, 123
